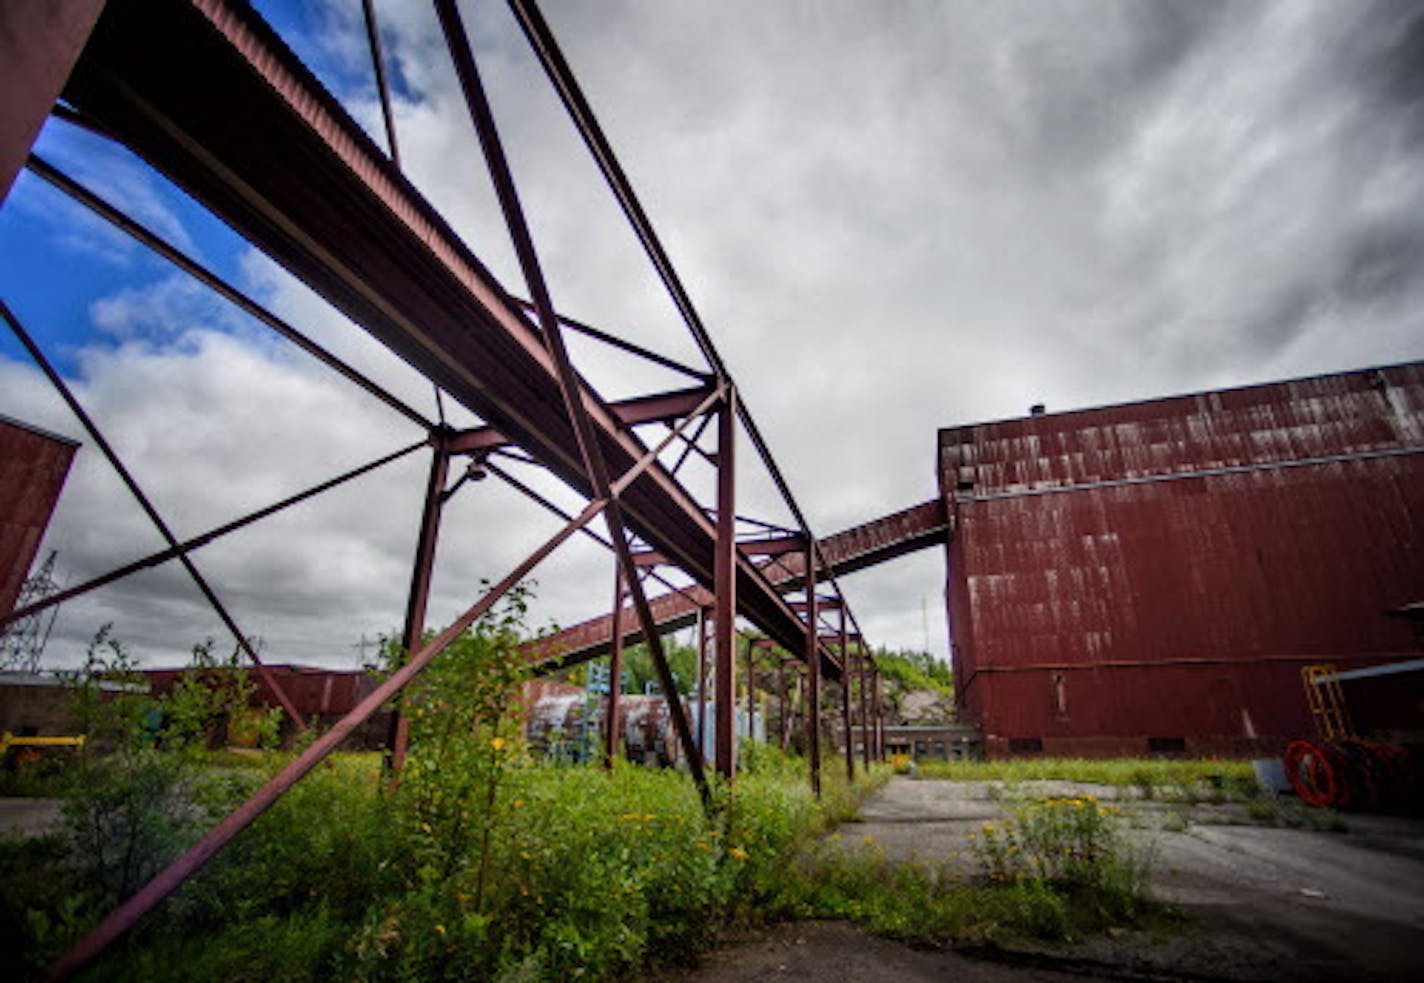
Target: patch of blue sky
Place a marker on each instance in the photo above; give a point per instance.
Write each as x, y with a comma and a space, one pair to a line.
329, 36
63, 266
77, 282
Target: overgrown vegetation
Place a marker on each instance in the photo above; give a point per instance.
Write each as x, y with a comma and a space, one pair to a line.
916, 671
1070, 844
1161, 778
483, 863
1055, 869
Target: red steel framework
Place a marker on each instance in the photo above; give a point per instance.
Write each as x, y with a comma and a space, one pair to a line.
302, 182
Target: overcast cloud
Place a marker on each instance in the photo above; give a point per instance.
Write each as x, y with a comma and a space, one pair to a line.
894, 217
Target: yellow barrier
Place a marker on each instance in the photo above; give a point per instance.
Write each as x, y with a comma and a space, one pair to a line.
10, 740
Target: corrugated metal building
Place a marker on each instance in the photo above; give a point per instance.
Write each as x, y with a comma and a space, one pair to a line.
1151, 577
33, 466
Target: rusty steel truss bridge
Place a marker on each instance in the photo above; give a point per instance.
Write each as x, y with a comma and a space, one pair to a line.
211, 97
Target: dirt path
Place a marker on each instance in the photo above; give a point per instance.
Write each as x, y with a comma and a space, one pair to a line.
1261, 903
834, 952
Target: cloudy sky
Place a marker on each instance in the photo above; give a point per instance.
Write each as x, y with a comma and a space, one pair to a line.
894, 217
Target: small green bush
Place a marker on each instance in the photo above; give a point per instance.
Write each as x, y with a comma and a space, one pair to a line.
1073, 845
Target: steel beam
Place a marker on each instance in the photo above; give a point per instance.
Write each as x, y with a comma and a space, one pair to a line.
655, 408
879, 715
615, 342
812, 656
702, 682
378, 66
127, 915
615, 672
417, 599
572, 393
846, 677
203, 539
39, 42
349, 224
142, 234
154, 517
751, 691
861, 683
725, 588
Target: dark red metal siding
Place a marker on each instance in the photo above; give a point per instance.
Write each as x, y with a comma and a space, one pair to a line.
33, 466
314, 692
1164, 569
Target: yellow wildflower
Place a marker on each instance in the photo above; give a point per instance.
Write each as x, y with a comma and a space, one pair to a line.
440, 929
497, 743
738, 852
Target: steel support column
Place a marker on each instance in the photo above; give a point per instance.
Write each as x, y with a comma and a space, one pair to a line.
783, 721
879, 715
862, 680
813, 682
615, 671
845, 700
702, 683
725, 588
751, 690
570, 388
413, 633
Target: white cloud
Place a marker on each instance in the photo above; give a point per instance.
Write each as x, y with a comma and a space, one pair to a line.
893, 219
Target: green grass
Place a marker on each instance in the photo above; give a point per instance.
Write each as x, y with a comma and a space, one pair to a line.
534, 871
582, 874
1234, 779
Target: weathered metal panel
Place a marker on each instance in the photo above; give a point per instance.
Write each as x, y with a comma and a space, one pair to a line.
1163, 569
39, 41
33, 466
315, 692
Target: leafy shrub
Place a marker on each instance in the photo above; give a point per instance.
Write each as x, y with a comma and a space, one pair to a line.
1073, 844
926, 903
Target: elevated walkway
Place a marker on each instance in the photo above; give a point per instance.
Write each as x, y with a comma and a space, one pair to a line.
781, 561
